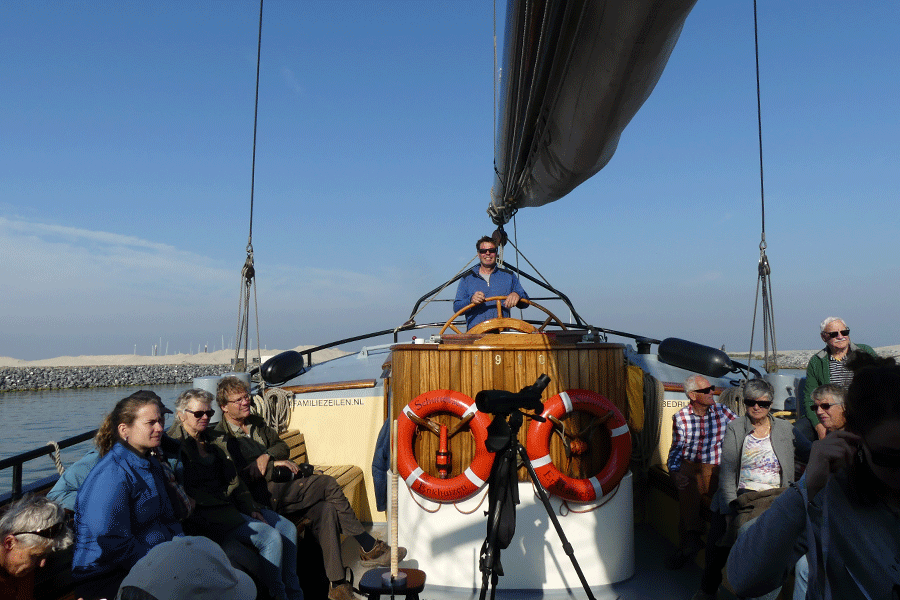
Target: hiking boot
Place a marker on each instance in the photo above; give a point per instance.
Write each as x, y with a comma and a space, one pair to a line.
380, 555
342, 592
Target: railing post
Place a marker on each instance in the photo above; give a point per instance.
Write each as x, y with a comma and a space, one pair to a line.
17, 481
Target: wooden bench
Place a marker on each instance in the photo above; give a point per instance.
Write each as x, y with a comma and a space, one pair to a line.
349, 477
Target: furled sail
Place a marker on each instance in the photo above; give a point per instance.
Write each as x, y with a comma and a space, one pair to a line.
574, 74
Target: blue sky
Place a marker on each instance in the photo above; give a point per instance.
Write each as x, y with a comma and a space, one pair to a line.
125, 147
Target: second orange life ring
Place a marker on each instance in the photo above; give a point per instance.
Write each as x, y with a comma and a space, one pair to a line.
466, 483
570, 488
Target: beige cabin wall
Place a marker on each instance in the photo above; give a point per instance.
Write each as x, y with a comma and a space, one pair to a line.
341, 428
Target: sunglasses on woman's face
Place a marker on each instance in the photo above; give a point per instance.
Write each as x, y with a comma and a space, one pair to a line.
827, 405
198, 414
761, 403
47, 532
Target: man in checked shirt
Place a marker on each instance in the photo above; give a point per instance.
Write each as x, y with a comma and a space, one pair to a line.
697, 432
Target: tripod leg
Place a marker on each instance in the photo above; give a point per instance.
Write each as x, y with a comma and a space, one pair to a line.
489, 557
545, 499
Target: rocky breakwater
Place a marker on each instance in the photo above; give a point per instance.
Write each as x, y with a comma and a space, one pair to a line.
44, 378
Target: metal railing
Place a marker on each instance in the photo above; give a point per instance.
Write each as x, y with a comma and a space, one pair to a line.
15, 463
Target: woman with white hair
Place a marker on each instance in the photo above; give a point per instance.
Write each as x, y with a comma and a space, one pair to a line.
757, 459
829, 365
224, 507
30, 530
844, 511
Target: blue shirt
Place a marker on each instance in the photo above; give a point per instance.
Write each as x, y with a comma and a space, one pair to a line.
501, 283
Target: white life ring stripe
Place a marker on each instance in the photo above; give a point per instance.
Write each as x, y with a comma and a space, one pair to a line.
408, 411
567, 402
470, 411
471, 476
413, 476
540, 462
621, 430
598, 488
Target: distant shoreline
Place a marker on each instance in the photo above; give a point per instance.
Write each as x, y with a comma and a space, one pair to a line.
798, 359
69, 372
219, 357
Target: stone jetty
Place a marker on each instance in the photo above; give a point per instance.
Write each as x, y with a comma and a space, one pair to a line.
48, 378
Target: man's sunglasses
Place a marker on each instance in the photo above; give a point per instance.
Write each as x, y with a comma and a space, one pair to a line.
198, 414
705, 390
47, 532
760, 403
487, 251
889, 459
833, 334
827, 405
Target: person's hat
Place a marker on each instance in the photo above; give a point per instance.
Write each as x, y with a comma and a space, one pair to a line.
186, 568
151, 395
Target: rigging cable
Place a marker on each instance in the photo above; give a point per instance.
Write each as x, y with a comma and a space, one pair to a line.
764, 279
248, 272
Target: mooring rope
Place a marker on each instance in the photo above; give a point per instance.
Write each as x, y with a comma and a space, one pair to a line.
57, 460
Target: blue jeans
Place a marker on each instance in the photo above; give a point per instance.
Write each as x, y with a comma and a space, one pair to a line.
276, 541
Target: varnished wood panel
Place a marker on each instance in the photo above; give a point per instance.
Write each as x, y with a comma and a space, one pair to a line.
471, 367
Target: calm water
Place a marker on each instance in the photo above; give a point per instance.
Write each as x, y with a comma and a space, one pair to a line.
31, 419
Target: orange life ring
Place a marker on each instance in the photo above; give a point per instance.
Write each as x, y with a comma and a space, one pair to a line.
563, 486
463, 485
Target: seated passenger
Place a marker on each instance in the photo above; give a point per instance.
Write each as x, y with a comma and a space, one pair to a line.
829, 365
122, 508
30, 530
65, 489
224, 508
486, 279
843, 511
169, 570
828, 403
757, 455
257, 450
829, 407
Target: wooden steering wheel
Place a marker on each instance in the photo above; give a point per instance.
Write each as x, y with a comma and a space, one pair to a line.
500, 322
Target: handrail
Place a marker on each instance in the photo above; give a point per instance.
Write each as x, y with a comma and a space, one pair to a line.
18, 460
549, 288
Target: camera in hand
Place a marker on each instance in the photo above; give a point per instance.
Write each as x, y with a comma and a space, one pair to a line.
282, 474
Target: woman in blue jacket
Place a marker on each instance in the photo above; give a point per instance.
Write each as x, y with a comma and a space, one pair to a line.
122, 509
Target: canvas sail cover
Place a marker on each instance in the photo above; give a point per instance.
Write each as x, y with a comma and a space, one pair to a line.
574, 74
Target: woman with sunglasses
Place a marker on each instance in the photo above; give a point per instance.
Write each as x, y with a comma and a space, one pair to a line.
30, 530
224, 509
829, 365
757, 455
122, 509
845, 510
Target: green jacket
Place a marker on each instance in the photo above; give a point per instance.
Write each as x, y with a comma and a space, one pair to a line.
213, 483
244, 450
818, 372
273, 445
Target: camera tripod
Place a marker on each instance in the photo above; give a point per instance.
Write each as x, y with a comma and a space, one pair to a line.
503, 491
